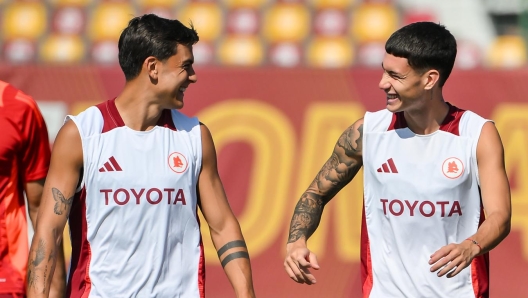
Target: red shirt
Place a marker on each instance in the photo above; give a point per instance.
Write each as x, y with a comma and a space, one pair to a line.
24, 157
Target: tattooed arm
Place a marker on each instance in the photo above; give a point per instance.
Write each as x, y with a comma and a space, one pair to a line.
225, 230
34, 191
57, 198
338, 171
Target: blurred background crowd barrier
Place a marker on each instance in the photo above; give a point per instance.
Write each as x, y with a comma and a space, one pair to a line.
278, 81
282, 33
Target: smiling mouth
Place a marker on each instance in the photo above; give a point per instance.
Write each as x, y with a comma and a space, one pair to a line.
182, 89
392, 96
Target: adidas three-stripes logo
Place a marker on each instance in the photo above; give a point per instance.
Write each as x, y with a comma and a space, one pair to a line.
110, 166
388, 167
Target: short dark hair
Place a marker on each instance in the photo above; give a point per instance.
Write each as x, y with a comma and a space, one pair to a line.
150, 35
426, 46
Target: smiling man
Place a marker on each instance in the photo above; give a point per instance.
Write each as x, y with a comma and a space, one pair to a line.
129, 175
436, 195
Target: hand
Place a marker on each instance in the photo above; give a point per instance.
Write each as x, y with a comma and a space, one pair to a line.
298, 261
453, 258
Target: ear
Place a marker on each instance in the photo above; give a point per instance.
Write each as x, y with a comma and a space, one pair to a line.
152, 64
431, 78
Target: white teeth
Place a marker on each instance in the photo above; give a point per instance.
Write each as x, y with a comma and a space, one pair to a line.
182, 89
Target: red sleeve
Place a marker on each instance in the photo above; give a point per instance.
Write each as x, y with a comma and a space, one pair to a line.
35, 154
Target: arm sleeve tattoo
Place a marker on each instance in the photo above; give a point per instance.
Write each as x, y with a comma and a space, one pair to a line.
338, 171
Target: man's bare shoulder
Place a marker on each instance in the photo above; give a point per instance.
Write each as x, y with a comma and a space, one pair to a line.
68, 131
351, 140
68, 145
489, 142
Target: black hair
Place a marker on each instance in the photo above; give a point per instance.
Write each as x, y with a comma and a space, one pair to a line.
151, 35
426, 46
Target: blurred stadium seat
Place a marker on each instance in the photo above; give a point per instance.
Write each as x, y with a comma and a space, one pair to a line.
373, 22
158, 3
108, 20
243, 21
507, 52
245, 3
420, 15
241, 51
81, 3
62, 48
285, 54
69, 20
164, 12
206, 17
24, 20
19, 51
469, 55
287, 22
330, 22
371, 54
328, 52
162, 8
105, 52
288, 32
203, 53
337, 4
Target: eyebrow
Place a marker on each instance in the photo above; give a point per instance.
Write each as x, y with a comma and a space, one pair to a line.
392, 73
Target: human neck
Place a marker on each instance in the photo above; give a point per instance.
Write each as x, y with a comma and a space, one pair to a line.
427, 119
138, 107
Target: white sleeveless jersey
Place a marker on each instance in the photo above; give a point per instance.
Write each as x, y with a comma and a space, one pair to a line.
134, 224
421, 193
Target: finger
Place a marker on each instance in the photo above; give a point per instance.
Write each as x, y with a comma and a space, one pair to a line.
458, 269
451, 266
304, 266
308, 276
440, 264
296, 271
290, 273
303, 262
312, 258
437, 255
444, 261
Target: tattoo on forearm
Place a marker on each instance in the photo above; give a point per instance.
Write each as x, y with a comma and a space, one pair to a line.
306, 217
44, 278
235, 255
337, 172
61, 203
232, 244
40, 253
32, 271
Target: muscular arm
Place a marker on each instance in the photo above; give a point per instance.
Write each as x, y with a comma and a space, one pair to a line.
338, 171
495, 191
34, 191
494, 188
225, 230
57, 197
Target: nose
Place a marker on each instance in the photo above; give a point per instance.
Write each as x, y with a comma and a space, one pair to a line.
192, 76
384, 83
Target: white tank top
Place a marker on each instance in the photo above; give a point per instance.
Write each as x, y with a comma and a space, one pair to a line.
134, 224
421, 193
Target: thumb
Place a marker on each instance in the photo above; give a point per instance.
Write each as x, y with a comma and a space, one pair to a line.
312, 258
